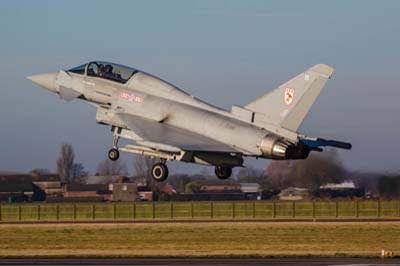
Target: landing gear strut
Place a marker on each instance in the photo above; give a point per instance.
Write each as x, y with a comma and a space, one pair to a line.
113, 154
159, 172
223, 172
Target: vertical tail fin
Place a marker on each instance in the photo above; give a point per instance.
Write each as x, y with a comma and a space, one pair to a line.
288, 105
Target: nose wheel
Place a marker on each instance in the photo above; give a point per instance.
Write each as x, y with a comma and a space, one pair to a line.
113, 154
159, 172
223, 172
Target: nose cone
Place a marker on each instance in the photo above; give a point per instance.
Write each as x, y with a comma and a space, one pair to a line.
47, 81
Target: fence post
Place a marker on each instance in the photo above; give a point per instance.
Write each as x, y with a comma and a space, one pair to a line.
93, 211
337, 209
398, 209
115, 212
254, 209
58, 212
273, 209
154, 211
191, 210
134, 211
172, 211
293, 209
19, 213
379, 208
313, 209
357, 208
212, 211
233, 210
38, 212
74, 210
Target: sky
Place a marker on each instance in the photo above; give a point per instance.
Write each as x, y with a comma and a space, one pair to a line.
224, 52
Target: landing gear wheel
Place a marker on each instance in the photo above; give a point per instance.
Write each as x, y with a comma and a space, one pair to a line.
159, 172
223, 172
113, 154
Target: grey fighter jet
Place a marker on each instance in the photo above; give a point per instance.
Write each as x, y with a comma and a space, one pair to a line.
165, 122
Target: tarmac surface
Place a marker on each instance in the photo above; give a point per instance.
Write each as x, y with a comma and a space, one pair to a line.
208, 262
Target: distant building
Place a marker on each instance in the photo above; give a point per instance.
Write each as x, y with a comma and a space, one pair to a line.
251, 190
250, 187
345, 189
343, 185
123, 192
294, 193
82, 192
51, 186
215, 190
99, 179
219, 186
168, 189
144, 194
28, 187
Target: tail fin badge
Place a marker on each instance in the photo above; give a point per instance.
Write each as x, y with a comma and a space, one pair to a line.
289, 96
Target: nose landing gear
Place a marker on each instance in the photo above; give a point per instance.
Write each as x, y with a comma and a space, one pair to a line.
113, 154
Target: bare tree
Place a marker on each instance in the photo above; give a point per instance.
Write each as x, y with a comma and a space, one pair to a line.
65, 162
250, 174
78, 170
317, 170
278, 173
142, 166
39, 171
110, 168
142, 169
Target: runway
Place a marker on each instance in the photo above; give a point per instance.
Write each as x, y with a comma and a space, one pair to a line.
208, 262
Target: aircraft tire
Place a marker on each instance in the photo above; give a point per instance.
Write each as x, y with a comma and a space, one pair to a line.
159, 172
113, 154
223, 172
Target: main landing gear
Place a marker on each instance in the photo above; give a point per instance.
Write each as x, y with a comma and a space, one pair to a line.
223, 172
159, 171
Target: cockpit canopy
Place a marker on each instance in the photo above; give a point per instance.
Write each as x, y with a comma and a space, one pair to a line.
106, 70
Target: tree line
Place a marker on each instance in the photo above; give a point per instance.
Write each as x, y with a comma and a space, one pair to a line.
318, 169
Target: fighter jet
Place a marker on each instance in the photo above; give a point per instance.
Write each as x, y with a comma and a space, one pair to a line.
165, 122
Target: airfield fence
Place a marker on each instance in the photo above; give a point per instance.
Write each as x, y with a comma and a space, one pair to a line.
238, 210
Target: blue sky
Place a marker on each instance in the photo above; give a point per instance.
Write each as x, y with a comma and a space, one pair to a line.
224, 52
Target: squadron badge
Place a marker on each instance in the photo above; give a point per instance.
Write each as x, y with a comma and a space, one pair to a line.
289, 95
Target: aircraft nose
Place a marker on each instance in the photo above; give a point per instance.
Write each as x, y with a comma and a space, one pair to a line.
47, 81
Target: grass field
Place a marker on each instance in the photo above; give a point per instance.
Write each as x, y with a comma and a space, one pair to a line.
217, 239
198, 210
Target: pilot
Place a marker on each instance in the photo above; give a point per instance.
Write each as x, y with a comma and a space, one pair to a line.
108, 72
101, 70
108, 69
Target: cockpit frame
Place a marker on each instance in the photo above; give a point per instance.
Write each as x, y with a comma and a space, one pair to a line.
105, 70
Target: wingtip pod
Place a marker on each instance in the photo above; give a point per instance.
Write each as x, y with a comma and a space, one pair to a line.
323, 69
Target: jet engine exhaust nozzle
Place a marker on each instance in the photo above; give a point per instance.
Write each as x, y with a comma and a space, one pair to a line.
278, 148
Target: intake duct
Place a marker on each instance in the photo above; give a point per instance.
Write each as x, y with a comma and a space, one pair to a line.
278, 148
